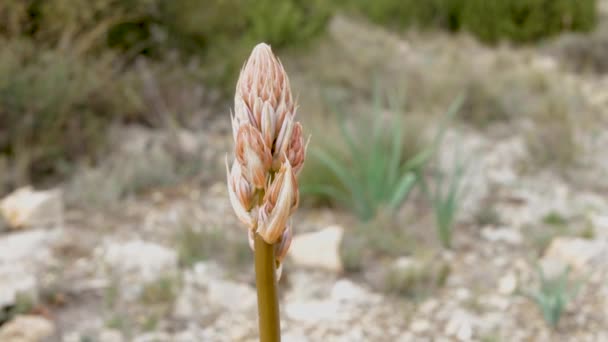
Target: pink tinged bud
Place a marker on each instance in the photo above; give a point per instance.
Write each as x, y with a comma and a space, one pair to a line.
284, 136
240, 194
267, 124
280, 200
263, 89
236, 124
296, 151
284, 110
282, 143
282, 246
242, 112
258, 104
253, 155
242, 116
262, 77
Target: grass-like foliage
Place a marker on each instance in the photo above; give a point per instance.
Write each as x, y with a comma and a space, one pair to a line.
371, 172
553, 295
445, 198
374, 170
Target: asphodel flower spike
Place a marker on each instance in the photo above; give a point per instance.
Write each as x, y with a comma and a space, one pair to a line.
262, 185
264, 100
269, 147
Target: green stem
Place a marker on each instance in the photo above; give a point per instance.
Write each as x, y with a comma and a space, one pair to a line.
266, 283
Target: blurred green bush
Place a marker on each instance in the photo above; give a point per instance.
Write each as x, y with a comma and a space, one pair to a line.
222, 30
67, 67
404, 13
526, 20
490, 21
54, 105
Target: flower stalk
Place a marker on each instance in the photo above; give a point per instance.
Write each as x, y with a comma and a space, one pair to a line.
266, 283
262, 184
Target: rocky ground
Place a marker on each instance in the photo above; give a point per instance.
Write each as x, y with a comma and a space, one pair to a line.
72, 269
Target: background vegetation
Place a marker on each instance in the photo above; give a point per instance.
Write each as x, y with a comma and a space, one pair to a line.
69, 69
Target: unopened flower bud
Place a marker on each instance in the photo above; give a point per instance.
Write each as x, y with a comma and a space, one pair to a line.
263, 78
296, 151
280, 200
267, 124
282, 143
240, 194
263, 99
282, 246
253, 155
242, 115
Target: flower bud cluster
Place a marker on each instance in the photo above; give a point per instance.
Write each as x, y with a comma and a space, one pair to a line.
269, 150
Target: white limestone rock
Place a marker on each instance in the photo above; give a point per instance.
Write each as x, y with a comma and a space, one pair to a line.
319, 249
27, 208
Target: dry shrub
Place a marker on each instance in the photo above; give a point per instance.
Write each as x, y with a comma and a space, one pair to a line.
54, 106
